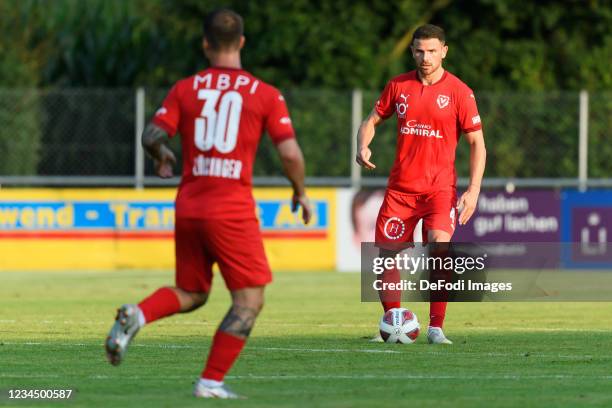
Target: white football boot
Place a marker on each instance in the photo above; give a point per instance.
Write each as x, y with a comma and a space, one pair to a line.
435, 335
204, 389
123, 331
377, 339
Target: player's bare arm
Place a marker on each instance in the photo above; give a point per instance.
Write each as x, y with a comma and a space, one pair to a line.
478, 157
364, 138
154, 142
293, 165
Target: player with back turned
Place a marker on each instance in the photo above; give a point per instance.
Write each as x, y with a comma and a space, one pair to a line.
220, 113
433, 107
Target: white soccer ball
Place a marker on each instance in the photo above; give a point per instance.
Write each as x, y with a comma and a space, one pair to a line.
399, 325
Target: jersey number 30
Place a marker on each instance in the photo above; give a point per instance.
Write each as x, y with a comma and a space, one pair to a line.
218, 128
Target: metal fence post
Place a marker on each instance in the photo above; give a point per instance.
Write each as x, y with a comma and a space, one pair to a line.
356, 118
139, 164
583, 140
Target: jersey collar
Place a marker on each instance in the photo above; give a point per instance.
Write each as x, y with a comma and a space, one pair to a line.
444, 75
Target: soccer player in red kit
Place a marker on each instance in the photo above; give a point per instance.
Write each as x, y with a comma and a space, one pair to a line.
433, 107
220, 113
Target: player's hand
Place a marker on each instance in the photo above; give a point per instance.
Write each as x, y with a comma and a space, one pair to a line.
301, 200
363, 158
165, 164
467, 204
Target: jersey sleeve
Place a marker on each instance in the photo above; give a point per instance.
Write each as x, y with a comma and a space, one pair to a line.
278, 123
168, 115
385, 105
469, 119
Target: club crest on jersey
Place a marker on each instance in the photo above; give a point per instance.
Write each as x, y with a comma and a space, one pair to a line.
443, 101
394, 228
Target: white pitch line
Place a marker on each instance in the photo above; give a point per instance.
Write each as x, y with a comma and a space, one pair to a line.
527, 354
319, 325
419, 377
424, 352
4, 375
325, 350
536, 329
492, 377
186, 323
178, 346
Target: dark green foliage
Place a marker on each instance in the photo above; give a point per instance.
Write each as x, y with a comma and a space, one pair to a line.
494, 44
600, 146
19, 131
498, 47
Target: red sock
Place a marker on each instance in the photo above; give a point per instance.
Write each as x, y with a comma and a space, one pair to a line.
391, 305
223, 352
163, 302
390, 298
437, 311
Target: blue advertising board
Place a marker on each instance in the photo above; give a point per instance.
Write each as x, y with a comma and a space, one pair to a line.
587, 224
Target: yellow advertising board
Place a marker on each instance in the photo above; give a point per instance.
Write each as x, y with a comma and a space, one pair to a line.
80, 229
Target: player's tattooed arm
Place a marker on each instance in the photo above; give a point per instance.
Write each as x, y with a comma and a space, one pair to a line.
153, 138
154, 142
239, 321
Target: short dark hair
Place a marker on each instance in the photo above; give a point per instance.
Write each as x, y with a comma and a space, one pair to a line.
223, 29
428, 31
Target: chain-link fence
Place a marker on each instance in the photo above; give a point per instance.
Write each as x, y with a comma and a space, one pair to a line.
528, 135
89, 135
76, 132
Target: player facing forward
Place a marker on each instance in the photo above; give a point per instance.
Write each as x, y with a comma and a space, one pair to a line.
220, 113
432, 107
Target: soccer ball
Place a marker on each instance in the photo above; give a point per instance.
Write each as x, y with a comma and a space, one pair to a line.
399, 325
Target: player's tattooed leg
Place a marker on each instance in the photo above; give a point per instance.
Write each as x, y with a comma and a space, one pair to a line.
239, 320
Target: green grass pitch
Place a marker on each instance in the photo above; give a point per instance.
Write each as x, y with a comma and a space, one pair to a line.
309, 348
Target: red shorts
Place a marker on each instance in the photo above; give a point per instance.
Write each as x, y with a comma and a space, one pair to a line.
400, 213
236, 245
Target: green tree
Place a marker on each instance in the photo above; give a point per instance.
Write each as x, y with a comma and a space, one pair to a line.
519, 57
19, 109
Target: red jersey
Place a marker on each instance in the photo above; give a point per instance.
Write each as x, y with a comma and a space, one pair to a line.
221, 114
430, 119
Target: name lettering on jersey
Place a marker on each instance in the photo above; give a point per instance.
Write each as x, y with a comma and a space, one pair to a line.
217, 167
402, 107
420, 129
443, 101
206, 80
254, 87
241, 80
223, 82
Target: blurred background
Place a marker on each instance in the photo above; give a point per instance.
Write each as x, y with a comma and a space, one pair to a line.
79, 79
71, 71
